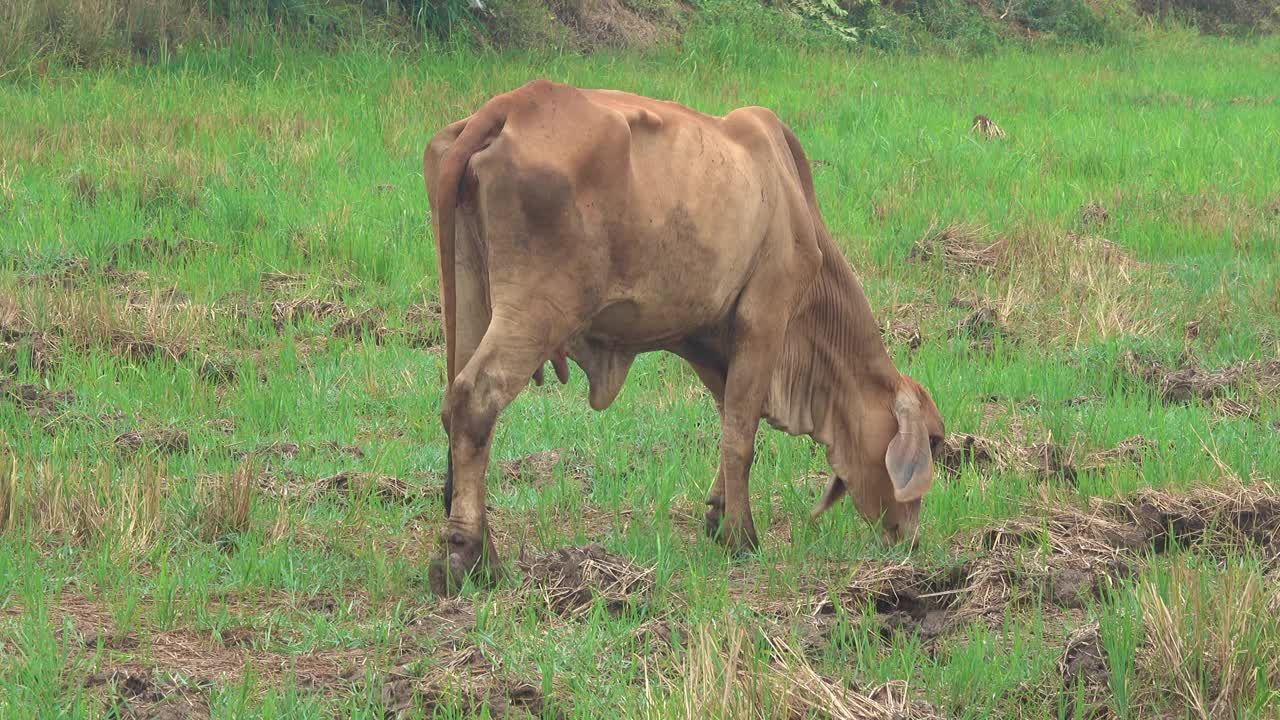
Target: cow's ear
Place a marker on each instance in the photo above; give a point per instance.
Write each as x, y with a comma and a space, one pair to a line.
908, 459
835, 490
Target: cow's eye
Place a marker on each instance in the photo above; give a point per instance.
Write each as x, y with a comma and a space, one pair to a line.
935, 444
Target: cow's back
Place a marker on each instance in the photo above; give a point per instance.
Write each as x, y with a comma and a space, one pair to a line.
648, 206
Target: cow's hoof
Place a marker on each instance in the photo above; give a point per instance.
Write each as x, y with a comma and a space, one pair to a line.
738, 538
464, 557
714, 517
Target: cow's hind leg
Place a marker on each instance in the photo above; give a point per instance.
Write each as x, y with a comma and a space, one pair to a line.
713, 379
491, 379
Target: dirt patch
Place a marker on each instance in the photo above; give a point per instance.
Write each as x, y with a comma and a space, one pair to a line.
237, 637
1083, 664
961, 247
387, 487
1212, 520
424, 325
76, 272
36, 400
503, 699
901, 330
1044, 459
275, 282
165, 440
168, 247
1190, 382
602, 24
134, 692
538, 469
1062, 557
462, 678
1093, 215
291, 450
39, 348
363, 325
982, 326
94, 637
570, 580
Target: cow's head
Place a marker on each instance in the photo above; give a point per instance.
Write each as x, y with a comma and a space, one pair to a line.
900, 436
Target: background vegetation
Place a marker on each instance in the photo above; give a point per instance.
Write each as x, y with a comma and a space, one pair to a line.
93, 32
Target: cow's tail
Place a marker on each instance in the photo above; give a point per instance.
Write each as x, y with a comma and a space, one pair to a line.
473, 137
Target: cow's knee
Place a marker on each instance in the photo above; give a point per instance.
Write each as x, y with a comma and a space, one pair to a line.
470, 417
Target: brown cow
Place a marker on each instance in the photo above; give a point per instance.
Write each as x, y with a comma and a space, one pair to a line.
597, 225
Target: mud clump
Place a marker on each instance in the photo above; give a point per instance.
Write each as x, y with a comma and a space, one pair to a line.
294, 312
292, 450
150, 246
960, 247
387, 487
1190, 382
35, 399
1213, 520
1045, 460
366, 324
902, 332
76, 272
138, 694
424, 325
538, 469
167, 440
1093, 214
570, 580
513, 700
1083, 664
39, 348
908, 600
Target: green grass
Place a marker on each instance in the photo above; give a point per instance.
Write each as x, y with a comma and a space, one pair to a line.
235, 163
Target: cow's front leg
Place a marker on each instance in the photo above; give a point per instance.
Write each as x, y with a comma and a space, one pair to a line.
492, 378
747, 384
759, 329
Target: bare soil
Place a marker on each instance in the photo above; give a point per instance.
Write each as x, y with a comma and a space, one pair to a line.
35, 399
164, 440
40, 348
1189, 382
1046, 460
570, 580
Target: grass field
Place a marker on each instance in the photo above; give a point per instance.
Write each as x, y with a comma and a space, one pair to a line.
220, 361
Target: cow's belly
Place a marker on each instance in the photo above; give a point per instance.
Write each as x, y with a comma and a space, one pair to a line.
668, 285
